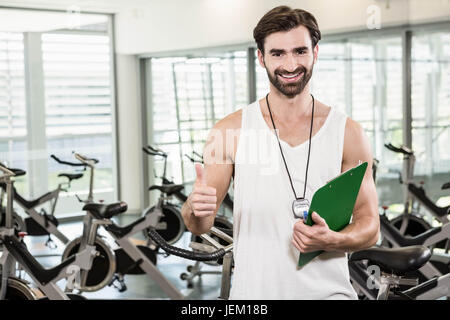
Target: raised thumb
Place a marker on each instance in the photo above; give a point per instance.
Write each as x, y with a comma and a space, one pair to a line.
201, 176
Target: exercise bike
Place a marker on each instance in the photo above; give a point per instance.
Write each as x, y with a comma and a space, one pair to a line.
411, 222
438, 264
220, 223
172, 218
43, 223
110, 267
381, 274
15, 252
174, 227
215, 239
209, 250
129, 258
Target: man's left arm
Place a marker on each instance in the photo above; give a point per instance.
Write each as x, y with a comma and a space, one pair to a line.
363, 231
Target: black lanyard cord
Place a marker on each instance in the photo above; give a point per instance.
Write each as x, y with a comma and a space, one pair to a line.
282, 155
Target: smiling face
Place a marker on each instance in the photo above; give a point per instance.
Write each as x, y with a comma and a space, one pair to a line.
289, 60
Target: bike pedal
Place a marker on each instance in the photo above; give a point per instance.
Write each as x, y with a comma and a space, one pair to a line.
121, 286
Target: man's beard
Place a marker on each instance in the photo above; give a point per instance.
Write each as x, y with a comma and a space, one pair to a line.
292, 89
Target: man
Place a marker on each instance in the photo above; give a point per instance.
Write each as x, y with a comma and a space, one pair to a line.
309, 143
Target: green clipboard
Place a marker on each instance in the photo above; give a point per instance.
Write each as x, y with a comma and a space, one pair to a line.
334, 202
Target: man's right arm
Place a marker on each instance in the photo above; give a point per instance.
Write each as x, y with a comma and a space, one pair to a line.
212, 182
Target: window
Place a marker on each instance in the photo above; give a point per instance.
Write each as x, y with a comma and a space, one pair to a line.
13, 126
56, 97
262, 81
431, 102
330, 76
189, 97
78, 103
363, 77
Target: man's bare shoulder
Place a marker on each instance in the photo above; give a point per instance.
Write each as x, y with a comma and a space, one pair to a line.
231, 121
356, 143
225, 135
353, 128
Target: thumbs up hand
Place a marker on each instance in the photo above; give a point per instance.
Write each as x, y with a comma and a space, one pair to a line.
203, 199
201, 175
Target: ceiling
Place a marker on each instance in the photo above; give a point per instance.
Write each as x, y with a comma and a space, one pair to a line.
99, 6
18, 20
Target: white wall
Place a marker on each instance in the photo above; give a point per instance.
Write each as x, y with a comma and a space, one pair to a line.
164, 25
129, 126
429, 11
15, 20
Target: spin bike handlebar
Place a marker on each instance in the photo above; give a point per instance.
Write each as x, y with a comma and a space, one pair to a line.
73, 164
85, 160
198, 155
154, 152
192, 159
183, 253
404, 150
155, 149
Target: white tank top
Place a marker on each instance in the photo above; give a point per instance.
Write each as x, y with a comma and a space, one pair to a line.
264, 257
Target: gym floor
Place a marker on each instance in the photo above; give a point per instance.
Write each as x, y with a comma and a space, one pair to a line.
206, 287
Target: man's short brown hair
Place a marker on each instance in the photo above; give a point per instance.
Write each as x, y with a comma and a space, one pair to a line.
284, 18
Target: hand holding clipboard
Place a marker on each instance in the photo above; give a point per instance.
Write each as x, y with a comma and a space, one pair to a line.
334, 202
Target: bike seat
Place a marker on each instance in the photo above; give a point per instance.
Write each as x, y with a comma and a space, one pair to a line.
420, 193
71, 176
168, 189
18, 172
24, 257
395, 260
106, 211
